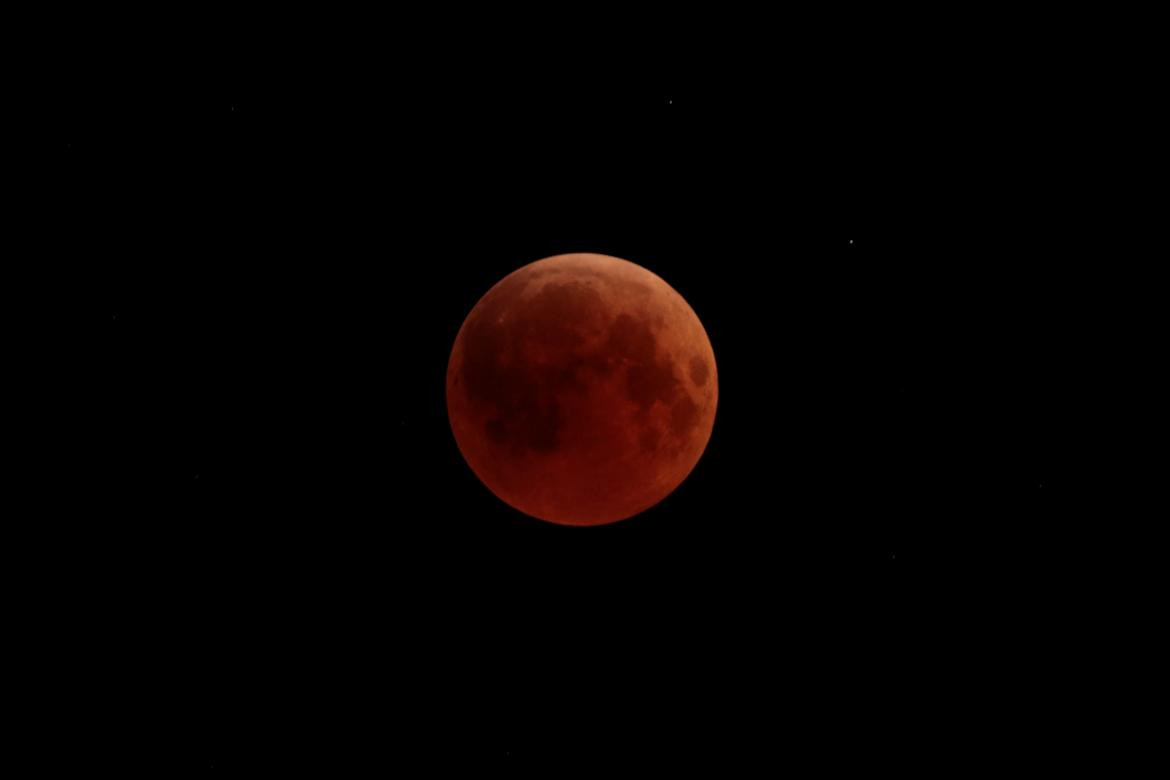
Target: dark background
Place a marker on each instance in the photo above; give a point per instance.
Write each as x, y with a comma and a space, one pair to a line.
287, 561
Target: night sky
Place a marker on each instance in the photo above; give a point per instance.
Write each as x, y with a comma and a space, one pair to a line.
294, 566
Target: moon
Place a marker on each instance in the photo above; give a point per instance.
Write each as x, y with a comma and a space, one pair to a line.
581, 389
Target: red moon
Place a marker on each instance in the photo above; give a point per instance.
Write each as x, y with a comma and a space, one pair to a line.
582, 389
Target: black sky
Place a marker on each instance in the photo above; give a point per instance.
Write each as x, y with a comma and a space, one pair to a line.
296, 566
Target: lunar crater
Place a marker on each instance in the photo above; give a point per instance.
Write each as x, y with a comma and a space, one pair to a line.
698, 370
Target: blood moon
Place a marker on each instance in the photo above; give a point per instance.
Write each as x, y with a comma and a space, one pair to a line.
581, 389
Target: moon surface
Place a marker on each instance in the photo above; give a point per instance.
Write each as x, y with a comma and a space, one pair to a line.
581, 389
